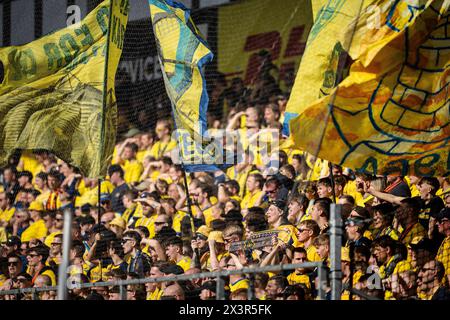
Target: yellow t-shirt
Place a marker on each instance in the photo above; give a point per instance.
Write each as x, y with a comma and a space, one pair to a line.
312, 255
30, 163
6, 215
239, 284
90, 195
288, 235
294, 278
127, 214
207, 214
36, 230
141, 154
443, 254
185, 263
416, 231
133, 170
160, 148
176, 221
148, 222
155, 295
249, 199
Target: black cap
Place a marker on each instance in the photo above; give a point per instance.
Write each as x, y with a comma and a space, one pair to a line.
384, 208
209, 285
13, 241
424, 244
86, 207
443, 214
355, 221
218, 225
233, 215
281, 204
98, 228
172, 269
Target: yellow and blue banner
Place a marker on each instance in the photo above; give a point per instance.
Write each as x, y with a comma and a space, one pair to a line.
183, 54
391, 115
323, 57
57, 92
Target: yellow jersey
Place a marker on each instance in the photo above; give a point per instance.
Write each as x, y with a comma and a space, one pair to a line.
250, 199
416, 230
133, 170
185, 263
7, 214
148, 222
443, 254
155, 295
160, 148
239, 284
294, 278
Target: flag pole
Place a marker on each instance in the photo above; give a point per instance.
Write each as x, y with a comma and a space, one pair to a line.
99, 193
188, 198
330, 166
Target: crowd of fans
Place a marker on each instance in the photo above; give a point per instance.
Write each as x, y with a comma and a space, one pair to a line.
137, 223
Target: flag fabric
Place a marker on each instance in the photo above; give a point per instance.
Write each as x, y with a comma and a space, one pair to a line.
57, 92
183, 53
324, 48
391, 114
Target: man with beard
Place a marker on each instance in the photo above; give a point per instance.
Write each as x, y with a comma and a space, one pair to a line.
275, 287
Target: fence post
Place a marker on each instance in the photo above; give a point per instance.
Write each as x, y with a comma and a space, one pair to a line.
123, 292
220, 288
322, 281
64, 266
34, 294
335, 251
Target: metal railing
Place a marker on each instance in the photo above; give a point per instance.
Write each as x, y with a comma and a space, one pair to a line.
218, 275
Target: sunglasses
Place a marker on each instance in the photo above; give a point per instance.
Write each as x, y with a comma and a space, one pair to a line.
125, 241
56, 244
32, 255
160, 223
13, 263
301, 230
59, 219
22, 280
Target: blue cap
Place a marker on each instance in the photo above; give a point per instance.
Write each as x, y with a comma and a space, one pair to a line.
105, 197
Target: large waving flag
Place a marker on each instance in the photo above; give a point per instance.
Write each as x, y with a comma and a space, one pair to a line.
325, 49
58, 91
183, 53
391, 114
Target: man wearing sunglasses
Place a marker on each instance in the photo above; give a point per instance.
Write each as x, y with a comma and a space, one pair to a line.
37, 256
149, 214
138, 262
14, 268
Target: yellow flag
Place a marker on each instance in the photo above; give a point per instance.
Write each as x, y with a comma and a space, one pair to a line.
391, 114
57, 92
183, 54
326, 43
